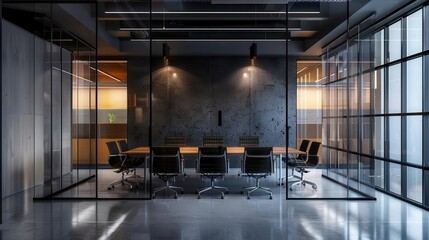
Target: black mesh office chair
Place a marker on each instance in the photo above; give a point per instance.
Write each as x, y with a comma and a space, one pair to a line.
132, 161
166, 165
212, 163
247, 141
119, 161
311, 160
213, 141
258, 163
303, 148
173, 141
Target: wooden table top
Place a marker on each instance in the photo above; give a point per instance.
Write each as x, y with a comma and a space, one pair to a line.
229, 150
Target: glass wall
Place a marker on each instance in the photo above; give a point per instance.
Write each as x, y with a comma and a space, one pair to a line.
389, 116
60, 99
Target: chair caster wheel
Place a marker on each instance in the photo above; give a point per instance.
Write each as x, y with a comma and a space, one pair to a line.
199, 197
290, 189
153, 196
175, 196
221, 197
248, 197
303, 184
241, 192
314, 187
226, 192
182, 191
271, 197
109, 189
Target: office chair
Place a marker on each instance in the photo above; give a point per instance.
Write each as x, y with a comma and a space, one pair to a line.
166, 165
212, 163
117, 160
132, 161
303, 148
213, 141
247, 141
172, 141
258, 163
310, 161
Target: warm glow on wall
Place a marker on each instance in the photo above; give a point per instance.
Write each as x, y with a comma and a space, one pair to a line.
108, 98
309, 98
112, 98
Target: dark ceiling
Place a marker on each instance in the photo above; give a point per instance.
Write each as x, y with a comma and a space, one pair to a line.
207, 27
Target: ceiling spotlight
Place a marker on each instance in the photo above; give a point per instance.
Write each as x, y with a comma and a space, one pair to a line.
253, 51
165, 51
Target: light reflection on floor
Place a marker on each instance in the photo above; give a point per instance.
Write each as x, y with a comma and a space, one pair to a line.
234, 217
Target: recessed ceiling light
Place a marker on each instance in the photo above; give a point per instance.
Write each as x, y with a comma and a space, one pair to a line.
146, 12
208, 40
207, 29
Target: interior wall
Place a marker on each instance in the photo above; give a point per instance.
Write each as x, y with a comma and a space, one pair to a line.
189, 93
34, 92
17, 109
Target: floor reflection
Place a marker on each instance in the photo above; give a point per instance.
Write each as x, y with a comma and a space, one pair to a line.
234, 217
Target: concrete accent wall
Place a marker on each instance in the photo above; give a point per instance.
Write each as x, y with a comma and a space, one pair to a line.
31, 91
17, 109
190, 92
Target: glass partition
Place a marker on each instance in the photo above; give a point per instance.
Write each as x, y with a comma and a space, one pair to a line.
57, 64
334, 98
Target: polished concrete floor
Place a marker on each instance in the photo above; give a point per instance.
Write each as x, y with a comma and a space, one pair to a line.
234, 217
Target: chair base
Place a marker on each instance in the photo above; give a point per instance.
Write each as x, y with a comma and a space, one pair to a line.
169, 188
252, 189
212, 187
124, 180
301, 181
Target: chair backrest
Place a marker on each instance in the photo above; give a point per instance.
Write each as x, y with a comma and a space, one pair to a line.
313, 158
114, 159
175, 141
212, 141
258, 160
165, 160
303, 147
212, 160
113, 148
249, 141
123, 145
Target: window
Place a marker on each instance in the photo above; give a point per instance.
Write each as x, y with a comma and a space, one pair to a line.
394, 42
414, 184
395, 138
379, 48
414, 33
395, 89
395, 178
414, 139
414, 85
379, 136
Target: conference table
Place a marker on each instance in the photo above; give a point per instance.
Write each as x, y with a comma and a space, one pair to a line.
191, 150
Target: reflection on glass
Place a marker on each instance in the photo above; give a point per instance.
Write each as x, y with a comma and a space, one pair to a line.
395, 138
394, 42
366, 135
414, 85
414, 33
414, 139
379, 173
395, 89
379, 91
395, 178
379, 136
379, 48
353, 93
414, 184
366, 94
